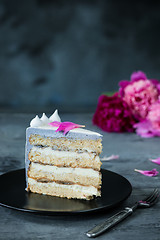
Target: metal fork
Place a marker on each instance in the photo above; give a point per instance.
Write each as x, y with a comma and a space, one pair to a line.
112, 221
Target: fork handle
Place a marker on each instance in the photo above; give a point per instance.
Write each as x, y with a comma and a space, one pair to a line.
109, 223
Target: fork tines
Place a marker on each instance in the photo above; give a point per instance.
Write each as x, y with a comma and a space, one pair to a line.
152, 197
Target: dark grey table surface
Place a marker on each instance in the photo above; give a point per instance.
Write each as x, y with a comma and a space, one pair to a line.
134, 152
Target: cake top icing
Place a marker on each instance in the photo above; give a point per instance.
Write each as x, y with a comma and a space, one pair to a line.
45, 123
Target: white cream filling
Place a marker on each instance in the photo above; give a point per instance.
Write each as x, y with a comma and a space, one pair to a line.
89, 190
65, 170
65, 155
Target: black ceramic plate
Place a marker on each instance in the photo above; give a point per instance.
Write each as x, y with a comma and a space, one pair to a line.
115, 189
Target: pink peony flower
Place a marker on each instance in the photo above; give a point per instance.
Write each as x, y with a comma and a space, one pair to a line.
150, 127
139, 93
154, 115
113, 114
145, 129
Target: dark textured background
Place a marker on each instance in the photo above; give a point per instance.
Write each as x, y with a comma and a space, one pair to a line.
64, 54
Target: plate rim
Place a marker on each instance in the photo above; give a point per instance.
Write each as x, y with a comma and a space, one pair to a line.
52, 213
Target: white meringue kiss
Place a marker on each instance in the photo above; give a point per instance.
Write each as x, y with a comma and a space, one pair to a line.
36, 122
55, 117
44, 120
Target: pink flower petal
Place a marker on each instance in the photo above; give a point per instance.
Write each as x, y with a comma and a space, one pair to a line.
55, 124
151, 173
122, 85
143, 129
65, 126
146, 129
112, 157
139, 75
156, 160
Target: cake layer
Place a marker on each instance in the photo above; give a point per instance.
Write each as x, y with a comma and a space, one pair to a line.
67, 144
82, 176
62, 190
46, 155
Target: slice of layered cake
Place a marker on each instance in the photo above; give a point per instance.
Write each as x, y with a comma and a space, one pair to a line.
62, 159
